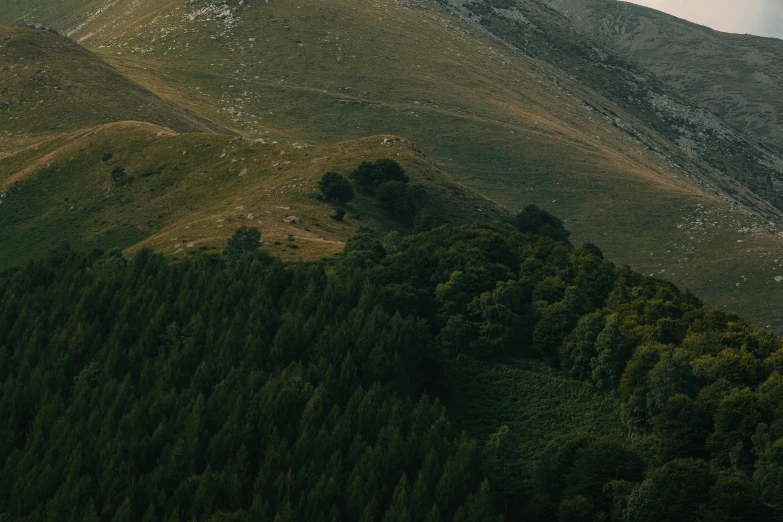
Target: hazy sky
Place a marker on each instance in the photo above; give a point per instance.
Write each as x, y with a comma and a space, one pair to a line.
761, 17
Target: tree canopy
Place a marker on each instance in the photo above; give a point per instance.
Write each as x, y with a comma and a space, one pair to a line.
336, 187
241, 388
533, 220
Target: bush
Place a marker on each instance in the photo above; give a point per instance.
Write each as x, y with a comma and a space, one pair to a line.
391, 195
243, 241
364, 249
575, 509
533, 220
403, 202
117, 174
370, 176
150, 172
391, 241
387, 181
676, 491
339, 214
424, 221
336, 187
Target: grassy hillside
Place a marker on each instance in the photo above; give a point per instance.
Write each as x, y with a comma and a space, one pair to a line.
48, 85
81, 20
723, 156
507, 125
133, 184
516, 128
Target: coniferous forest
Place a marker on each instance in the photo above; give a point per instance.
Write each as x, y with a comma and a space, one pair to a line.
235, 387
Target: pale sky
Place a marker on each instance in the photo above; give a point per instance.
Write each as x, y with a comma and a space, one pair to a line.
761, 17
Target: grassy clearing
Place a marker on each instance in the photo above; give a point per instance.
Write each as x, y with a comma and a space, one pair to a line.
535, 401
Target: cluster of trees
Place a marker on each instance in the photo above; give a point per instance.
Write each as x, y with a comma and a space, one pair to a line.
240, 388
702, 384
219, 389
386, 181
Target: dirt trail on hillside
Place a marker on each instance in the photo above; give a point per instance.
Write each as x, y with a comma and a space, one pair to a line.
72, 141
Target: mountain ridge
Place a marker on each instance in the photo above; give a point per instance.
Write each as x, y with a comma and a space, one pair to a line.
734, 76
131, 185
518, 128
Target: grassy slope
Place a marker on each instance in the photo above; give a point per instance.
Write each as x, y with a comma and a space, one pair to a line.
510, 126
183, 193
342, 70
81, 20
50, 85
709, 150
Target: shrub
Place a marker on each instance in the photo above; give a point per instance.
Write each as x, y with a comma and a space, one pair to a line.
336, 187
404, 202
243, 241
150, 172
391, 194
339, 214
370, 176
117, 174
424, 220
364, 249
575, 509
533, 220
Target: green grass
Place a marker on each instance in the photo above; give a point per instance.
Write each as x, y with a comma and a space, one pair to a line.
51, 85
180, 193
490, 117
537, 403
81, 20
486, 115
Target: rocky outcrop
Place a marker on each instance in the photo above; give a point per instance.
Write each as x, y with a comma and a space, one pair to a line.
41, 27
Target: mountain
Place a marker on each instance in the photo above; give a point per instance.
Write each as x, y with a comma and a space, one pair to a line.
736, 77
510, 99
725, 155
278, 261
519, 126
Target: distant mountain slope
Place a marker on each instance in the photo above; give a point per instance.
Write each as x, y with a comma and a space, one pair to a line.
49, 84
737, 77
726, 154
